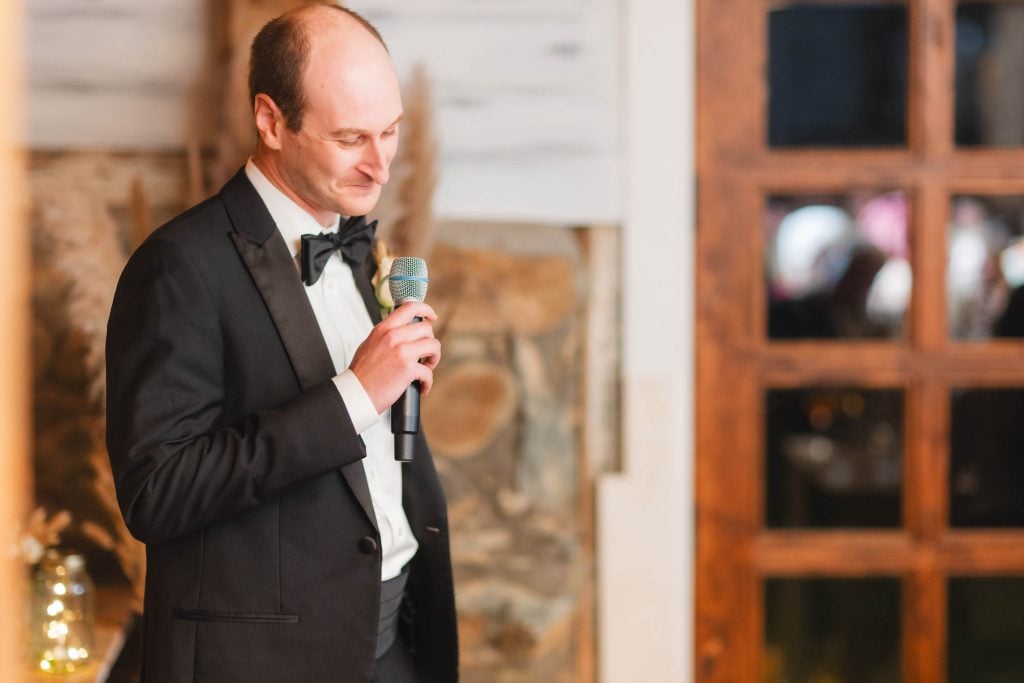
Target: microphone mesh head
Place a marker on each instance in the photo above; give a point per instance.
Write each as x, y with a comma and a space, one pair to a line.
408, 279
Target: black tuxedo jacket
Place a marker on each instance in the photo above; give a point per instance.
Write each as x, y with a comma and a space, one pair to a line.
236, 462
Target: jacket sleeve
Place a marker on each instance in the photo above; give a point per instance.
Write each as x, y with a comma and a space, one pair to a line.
176, 466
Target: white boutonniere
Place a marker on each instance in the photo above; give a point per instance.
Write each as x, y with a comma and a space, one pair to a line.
381, 288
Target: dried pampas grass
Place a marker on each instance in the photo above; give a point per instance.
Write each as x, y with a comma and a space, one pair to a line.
82, 249
130, 554
40, 532
406, 210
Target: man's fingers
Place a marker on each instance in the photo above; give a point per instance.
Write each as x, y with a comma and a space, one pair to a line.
404, 314
426, 381
398, 352
412, 332
427, 352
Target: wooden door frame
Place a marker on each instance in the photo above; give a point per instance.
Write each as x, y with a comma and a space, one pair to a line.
736, 171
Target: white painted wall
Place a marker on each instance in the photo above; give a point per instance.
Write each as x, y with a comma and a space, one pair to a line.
645, 514
527, 92
527, 96
113, 74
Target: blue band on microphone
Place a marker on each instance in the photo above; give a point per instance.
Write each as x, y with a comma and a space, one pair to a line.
409, 278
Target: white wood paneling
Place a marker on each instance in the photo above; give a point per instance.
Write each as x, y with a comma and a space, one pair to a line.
113, 73
527, 93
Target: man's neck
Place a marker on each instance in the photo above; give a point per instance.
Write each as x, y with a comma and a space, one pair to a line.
270, 171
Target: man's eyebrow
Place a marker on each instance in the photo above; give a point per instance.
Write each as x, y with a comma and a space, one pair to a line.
341, 132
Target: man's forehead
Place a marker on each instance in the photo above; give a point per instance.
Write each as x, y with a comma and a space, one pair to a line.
353, 130
352, 55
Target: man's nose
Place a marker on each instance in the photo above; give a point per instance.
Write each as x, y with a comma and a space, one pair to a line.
375, 163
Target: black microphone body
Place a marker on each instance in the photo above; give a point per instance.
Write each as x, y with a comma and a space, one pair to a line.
405, 419
407, 282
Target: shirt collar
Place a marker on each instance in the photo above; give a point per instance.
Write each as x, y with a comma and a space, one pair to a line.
291, 219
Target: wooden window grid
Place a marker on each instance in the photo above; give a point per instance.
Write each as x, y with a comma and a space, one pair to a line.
736, 362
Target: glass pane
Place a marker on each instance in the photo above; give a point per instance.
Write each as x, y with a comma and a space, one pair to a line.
985, 268
987, 465
990, 74
837, 266
834, 457
832, 630
837, 75
986, 630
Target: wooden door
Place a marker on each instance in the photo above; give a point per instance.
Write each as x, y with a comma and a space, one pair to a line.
860, 364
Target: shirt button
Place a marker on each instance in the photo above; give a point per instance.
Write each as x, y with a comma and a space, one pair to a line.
367, 545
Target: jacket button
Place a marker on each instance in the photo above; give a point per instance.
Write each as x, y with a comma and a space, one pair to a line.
368, 545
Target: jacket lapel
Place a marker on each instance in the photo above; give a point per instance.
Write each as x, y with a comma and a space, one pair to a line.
364, 283
270, 264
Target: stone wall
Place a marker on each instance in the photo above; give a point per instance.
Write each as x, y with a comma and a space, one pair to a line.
521, 376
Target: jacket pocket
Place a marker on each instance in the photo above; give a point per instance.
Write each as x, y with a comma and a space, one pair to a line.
234, 617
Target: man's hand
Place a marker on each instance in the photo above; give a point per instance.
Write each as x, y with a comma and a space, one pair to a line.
397, 353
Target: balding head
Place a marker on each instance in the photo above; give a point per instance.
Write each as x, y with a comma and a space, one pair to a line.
328, 114
281, 50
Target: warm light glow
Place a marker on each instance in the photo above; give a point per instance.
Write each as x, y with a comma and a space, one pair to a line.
44, 665
853, 403
60, 589
55, 608
57, 629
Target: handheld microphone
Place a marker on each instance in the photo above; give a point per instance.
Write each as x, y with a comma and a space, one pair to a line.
407, 282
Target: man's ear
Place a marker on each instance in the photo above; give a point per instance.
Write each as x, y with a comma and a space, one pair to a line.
270, 122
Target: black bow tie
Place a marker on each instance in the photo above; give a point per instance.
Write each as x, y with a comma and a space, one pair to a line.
353, 239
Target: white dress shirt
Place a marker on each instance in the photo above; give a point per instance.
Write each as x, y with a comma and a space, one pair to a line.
344, 324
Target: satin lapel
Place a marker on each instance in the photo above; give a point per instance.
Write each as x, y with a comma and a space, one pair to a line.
357, 478
363, 275
275, 276
269, 262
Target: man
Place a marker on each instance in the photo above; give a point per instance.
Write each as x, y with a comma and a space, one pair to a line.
248, 412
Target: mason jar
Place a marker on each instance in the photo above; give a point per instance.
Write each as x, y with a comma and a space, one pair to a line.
61, 619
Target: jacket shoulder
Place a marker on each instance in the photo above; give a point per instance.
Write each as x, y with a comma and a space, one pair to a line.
196, 225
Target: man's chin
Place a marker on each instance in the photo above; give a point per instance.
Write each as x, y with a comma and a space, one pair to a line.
359, 204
